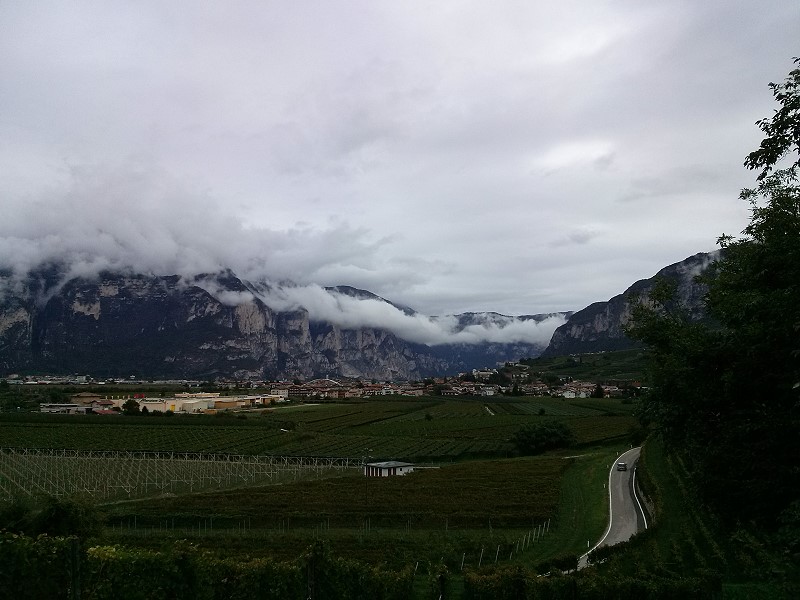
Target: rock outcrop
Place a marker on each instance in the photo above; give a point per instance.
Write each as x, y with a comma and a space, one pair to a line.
157, 326
600, 326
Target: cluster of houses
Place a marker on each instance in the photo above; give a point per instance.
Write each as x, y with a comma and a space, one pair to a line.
322, 390
329, 389
488, 382
476, 385
182, 402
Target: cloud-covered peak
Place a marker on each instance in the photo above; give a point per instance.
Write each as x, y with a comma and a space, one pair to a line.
355, 309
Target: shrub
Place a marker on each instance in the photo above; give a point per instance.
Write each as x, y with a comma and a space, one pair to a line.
538, 437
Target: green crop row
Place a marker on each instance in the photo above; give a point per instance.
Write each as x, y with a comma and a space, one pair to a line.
509, 492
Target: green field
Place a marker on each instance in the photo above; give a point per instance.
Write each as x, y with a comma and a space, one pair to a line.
471, 501
429, 429
448, 514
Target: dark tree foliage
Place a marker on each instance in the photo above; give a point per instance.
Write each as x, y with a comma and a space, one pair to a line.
725, 393
130, 407
49, 516
539, 437
782, 131
499, 378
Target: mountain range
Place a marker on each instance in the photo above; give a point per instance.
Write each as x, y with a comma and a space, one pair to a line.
220, 325
600, 326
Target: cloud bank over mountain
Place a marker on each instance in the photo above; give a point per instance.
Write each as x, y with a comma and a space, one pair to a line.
451, 156
176, 231
353, 313
142, 220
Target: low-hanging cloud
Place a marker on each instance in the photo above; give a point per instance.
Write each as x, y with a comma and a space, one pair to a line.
140, 220
350, 312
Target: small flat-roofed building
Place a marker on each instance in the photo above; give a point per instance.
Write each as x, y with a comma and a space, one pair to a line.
228, 403
388, 468
192, 406
70, 409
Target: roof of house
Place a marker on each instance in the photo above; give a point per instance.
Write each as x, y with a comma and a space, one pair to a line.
390, 463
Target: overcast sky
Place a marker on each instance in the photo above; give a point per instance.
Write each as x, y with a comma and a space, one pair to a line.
519, 157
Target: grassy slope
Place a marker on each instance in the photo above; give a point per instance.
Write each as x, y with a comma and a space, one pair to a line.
622, 365
583, 507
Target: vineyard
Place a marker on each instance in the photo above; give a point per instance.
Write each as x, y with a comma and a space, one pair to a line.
426, 429
211, 479
112, 475
436, 514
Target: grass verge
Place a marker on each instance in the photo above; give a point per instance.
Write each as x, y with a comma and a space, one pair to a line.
583, 507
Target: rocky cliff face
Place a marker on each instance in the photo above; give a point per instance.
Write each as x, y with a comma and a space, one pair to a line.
600, 326
167, 327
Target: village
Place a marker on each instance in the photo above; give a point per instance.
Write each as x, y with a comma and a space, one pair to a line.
510, 380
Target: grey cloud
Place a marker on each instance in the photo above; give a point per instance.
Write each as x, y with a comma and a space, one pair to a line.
579, 235
515, 157
145, 220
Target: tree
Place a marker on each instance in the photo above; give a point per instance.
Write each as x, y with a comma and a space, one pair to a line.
598, 392
539, 437
724, 393
56, 396
130, 407
782, 131
499, 378
49, 515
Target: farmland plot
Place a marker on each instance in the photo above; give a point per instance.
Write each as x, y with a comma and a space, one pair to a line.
428, 429
110, 475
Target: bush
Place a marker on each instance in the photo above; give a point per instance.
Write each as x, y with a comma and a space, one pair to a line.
49, 516
35, 568
538, 437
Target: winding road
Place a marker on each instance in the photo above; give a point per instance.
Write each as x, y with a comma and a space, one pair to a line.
626, 516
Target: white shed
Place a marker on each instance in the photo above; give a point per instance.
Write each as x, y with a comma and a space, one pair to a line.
387, 468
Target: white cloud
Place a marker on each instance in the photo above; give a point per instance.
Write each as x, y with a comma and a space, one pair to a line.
505, 156
349, 312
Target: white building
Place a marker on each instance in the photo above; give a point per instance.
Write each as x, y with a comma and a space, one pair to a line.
387, 468
71, 409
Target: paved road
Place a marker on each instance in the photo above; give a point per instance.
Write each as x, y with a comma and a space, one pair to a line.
626, 516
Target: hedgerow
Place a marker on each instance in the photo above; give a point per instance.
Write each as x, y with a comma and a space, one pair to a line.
55, 568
